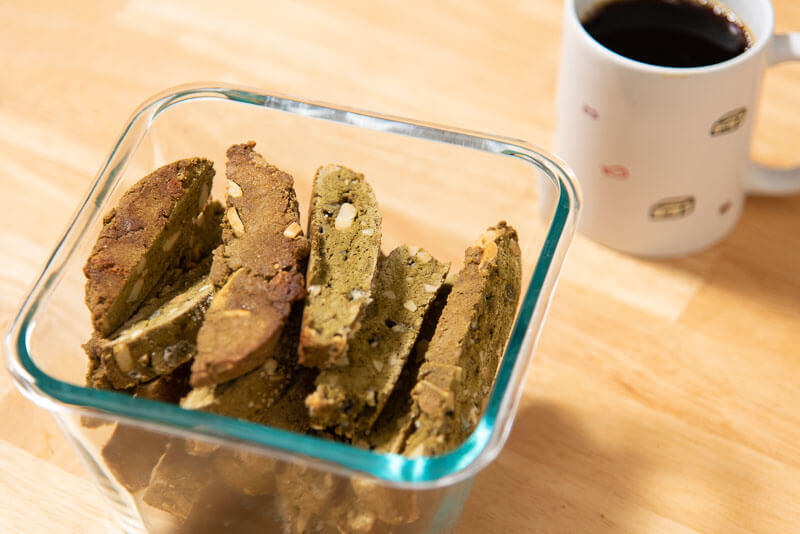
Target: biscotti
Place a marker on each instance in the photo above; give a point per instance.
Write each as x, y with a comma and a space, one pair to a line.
344, 228
252, 396
258, 268
142, 238
365, 349
131, 453
249, 304
462, 357
350, 397
176, 479
154, 342
205, 235
169, 388
396, 421
261, 230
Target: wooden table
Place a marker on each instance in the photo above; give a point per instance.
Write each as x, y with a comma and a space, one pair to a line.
665, 396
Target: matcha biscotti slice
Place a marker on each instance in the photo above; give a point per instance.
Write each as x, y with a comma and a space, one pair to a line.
142, 238
250, 473
154, 342
243, 326
344, 228
395, 422
462, 357
349, 398
258, 270
161, 335
272, 394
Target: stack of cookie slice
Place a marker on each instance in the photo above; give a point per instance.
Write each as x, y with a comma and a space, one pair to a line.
232, 310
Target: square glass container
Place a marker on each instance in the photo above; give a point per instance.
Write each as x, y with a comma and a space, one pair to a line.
437, 187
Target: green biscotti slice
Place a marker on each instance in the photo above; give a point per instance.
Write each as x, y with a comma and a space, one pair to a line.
350, 397
395, 422
252, 397
163, 343
142, 238
271, 394
344, 228
462, 357
156, 340
259, 270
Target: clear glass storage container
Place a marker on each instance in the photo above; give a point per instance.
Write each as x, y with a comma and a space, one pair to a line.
438, 188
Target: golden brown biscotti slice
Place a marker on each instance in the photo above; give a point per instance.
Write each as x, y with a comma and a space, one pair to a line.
258, 269
252, 396
272, 394
261, 230
243, 325
344, 227
350, 397
462, 357
142, 238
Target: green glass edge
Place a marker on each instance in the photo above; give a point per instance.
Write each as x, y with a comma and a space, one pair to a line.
391, 467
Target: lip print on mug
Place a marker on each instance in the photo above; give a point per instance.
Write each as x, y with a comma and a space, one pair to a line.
672, 208
616, 171
729, 122
592, 112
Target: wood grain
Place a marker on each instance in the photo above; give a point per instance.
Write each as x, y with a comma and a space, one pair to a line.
664, 395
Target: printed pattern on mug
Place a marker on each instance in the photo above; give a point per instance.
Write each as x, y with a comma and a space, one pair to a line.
672, 208
729, 122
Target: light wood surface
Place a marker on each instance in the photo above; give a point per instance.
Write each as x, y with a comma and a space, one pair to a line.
664, 397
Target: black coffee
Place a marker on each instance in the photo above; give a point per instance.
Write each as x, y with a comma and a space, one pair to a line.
670, 33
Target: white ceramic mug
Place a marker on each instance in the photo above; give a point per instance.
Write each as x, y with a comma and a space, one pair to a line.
662, 153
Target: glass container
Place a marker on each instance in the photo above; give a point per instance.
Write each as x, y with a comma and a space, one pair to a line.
437, 187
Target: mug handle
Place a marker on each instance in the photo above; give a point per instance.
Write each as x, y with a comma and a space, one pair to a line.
766, 180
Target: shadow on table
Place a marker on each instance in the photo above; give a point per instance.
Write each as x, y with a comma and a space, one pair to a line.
553, 478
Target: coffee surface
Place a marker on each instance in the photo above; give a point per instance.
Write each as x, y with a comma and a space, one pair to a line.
669, 33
